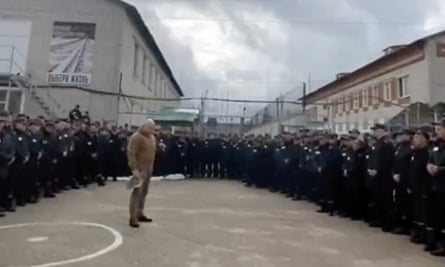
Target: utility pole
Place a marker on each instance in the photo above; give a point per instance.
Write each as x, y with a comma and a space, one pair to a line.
304, 98
119, 96
201, 116
418, 113
11, 62
407, 111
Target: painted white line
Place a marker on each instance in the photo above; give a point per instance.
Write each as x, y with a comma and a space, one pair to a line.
37, 239
118, 240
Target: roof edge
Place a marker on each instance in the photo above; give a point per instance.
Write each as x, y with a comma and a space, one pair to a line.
134, 15
329, 86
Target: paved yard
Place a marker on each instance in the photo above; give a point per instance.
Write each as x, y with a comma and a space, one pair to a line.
197, 223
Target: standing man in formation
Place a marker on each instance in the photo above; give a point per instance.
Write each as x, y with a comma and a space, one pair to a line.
396, 183
393, 182
41, 158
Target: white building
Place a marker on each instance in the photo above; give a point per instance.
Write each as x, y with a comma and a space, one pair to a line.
77, 48
383, 90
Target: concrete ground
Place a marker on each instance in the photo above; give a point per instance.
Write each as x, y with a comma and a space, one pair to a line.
197, 223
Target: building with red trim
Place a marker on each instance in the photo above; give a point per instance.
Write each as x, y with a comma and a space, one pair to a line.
394, 89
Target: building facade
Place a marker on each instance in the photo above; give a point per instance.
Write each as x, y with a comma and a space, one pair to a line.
87, 52
404, 78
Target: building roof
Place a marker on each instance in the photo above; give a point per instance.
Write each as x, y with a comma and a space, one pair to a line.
175, 116
402, 50
136, 18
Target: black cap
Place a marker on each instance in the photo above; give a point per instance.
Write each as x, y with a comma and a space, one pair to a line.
423, 133
439, 123
21, 119
379, 126
354, 131
347, 137
333, 135
405, 131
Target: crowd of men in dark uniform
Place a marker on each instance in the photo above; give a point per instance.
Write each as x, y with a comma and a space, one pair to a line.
392, 181
395, 182
41, 158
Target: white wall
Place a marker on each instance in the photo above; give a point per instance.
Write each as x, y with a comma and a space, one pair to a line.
417, 84
108, 20
156, 83
436, 69
113, 54
273, 128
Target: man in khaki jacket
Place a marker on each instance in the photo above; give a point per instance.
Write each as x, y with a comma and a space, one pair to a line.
141, 152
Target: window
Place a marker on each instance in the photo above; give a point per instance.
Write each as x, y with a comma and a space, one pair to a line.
3, 99
356, 101
347, 103
165, 90
375, 95
152, 77
15, 102
340, 106
340, 127
387, 91
148, 75
365, 124
356, 125
159, 86
403, 86
365, 97
144, 70
136, 60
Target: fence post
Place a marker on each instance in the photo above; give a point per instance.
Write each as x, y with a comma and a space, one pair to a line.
11, 62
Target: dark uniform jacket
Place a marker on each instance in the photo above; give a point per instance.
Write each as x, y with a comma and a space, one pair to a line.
402, 159
22, 148
7, 153
438, 158
420, 181
381, 159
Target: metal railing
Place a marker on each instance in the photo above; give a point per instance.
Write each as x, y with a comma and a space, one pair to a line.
10, 58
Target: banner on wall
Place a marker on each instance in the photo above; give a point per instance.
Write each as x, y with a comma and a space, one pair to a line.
71, 54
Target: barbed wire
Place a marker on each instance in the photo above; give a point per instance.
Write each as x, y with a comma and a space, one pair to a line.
217, 99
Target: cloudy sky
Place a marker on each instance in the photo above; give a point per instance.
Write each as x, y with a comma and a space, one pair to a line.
257, 49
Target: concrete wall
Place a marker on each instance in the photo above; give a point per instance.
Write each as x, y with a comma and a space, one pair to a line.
275, 127
155, 84
108, 19
113, 54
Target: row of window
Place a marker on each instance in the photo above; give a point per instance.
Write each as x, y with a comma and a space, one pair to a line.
373, 95
148, 74
365, 125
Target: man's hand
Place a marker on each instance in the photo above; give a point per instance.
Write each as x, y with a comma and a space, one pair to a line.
135, 180
396, 178
432, 169
136, 173
372, 173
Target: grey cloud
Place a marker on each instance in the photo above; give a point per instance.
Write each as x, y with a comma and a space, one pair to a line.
321, 39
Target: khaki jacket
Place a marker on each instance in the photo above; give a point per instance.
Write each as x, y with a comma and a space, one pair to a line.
141, 152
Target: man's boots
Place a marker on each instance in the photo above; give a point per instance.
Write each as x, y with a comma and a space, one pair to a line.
430, 240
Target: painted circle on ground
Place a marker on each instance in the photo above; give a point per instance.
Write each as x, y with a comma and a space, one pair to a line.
37, 239
118, 240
